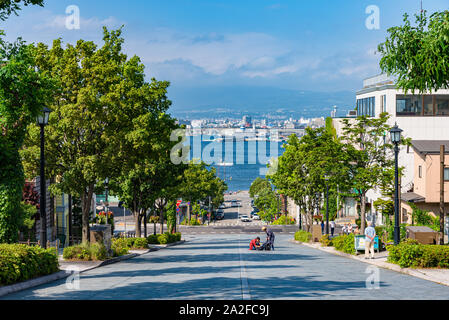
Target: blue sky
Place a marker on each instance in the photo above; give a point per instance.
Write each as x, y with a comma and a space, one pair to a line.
320, 45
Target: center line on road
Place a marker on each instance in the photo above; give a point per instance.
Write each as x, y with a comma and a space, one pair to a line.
243, 276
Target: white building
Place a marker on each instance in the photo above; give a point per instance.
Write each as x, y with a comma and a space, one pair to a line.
421, 117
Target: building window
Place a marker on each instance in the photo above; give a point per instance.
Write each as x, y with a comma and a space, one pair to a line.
446, 174
442, 105
404, 215
383, 104
428, 105
408, 105
366, 107
420, 171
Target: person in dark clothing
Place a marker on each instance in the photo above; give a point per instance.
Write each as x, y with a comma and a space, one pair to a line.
270, 239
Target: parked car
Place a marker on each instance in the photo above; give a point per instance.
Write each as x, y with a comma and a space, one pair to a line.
245, 218
234, 203
256, 216
219, 215
222, 206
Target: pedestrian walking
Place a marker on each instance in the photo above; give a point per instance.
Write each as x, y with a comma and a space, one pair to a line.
332, 225
322, 227
349, 228
370, 234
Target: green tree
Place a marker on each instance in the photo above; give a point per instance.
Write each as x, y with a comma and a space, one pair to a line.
259, 185
302, 167
24, 91
7, 7
101, 93
200, 182
418, 54
371, 162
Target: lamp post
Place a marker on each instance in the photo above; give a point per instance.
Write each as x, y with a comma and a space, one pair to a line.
326, 178
106, 203
395, 133
42, 121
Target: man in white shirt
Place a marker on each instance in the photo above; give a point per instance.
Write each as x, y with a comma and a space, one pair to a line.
370, 234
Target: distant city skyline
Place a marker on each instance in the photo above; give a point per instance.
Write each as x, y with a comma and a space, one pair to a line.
212, 48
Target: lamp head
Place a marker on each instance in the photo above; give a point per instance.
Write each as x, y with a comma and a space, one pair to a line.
42, 118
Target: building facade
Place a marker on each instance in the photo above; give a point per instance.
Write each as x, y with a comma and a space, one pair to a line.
420, 116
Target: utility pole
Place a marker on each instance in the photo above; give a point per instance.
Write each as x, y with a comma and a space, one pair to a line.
442, 194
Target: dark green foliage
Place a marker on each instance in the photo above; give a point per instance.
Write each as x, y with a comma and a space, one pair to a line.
21, 262
24, 91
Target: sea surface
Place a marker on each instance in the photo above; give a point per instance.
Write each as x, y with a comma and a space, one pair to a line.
238, 163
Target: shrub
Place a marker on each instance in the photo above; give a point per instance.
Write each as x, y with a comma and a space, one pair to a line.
303, 236
20, 262
193, 222
86, 252
140, 243
284, 220
411, 254
163, 238
119, 247
325, 241
344, 243
152, 239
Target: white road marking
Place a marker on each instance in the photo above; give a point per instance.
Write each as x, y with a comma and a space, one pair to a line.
243, 276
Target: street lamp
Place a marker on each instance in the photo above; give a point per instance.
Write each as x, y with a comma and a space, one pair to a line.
42, 121
106, 204
395, 133
326, 178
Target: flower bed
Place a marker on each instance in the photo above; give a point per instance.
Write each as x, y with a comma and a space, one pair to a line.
19, 262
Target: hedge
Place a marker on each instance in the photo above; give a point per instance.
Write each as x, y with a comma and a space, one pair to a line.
164, 238
303, 236
411, 254
85, 252
344, 243
19, 262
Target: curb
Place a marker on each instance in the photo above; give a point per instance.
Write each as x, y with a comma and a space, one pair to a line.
34, 282
16, 287
381, 264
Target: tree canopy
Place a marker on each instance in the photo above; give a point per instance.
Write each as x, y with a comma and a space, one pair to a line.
418, 54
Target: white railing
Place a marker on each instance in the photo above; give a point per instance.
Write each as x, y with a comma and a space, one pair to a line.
378, 80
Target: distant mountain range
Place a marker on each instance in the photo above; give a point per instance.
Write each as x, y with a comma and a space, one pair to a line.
233, 101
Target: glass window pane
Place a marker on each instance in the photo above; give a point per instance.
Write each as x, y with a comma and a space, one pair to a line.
442, 105
408, 105
446, 174
428, 105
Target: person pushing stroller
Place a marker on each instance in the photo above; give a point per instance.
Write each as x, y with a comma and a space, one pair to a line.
269, 244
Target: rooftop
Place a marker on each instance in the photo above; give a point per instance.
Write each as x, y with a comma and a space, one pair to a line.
430, 146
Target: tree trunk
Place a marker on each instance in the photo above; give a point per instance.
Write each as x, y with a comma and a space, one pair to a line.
137, 223
362, 213
145, 223
86, 202
161, 216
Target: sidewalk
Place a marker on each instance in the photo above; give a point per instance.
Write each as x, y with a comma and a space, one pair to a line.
67, 268
440, 276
